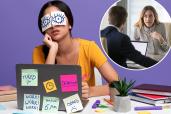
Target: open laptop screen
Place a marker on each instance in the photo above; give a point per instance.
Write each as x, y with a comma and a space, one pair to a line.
141, 46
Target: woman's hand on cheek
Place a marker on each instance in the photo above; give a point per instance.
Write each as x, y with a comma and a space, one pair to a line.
85, 90
49, 42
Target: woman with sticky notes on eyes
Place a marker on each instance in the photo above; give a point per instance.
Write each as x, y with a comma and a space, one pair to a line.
55, 22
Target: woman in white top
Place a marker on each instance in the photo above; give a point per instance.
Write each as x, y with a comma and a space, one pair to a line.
149, 29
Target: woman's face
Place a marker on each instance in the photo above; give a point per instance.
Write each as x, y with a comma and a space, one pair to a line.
57, 32
148, 18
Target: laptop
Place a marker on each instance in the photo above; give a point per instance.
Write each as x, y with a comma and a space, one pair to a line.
140, 46
48, 80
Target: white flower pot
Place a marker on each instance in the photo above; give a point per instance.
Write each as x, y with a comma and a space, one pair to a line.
113, 93
122, 104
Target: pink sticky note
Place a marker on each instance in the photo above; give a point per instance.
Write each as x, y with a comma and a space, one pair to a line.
69, 83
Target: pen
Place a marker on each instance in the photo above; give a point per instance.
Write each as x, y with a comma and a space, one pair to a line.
102, 106
108, 101
149, 108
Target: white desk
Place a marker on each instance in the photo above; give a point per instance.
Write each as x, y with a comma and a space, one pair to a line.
12, 107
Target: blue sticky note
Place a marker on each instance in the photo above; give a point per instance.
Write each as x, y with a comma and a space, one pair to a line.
2, 107
31, 102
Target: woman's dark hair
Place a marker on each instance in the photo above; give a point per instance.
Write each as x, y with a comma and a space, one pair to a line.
117, 15
64, 8
60, 5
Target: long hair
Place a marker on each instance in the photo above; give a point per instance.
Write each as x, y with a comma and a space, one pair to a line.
63, 7
140, 22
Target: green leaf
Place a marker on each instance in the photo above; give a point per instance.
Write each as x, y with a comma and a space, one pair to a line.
123, 86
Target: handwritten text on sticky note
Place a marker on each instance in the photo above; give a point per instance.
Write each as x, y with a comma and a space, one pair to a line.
29, 77
31, 102
73, 103
49, 85
69, 83
50, 104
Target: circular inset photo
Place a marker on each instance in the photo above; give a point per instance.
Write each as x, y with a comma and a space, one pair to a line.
135, 34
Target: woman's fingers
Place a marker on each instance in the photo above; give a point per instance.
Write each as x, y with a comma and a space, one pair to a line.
85, 90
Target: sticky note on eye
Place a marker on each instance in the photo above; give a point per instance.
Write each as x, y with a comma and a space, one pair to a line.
53, 19
69, 83
31, 102
50, 104
58, 18
46, 22
73, 103
29, 77
49, 85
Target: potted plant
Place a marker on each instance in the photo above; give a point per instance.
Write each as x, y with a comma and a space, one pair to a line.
122, 101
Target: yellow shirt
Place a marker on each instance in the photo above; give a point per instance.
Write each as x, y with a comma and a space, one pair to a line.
90, 56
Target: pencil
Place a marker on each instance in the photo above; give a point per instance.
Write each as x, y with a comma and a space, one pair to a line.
108, 101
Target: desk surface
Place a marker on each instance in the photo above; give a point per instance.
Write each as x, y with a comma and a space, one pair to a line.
11, 107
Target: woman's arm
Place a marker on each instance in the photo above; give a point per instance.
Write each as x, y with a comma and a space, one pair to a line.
110, 75
160, 35
162, 40
53, 49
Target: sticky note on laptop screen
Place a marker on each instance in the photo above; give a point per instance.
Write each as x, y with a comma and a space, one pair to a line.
29, 77
49, 85
69, 83
73, 103
50, 104
31, 102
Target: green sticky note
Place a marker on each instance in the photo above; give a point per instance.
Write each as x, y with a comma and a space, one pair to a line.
50, 104
29, 77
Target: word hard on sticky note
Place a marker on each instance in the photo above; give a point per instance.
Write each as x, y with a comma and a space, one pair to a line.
73, 103
31, 102
69, 83
29, 77
49, 85
50, 104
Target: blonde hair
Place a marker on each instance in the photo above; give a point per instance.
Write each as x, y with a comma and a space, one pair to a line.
140, 22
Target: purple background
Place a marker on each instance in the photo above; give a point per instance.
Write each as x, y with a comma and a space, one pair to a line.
19, 34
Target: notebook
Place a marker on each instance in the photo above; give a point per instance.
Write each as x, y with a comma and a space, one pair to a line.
40, 81
135, 97
152, 97
155, 89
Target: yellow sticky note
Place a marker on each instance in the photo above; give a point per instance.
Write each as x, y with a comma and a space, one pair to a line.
99, 110
144, 112
49, 85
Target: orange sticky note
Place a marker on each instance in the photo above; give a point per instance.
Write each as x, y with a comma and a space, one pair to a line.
49, 85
